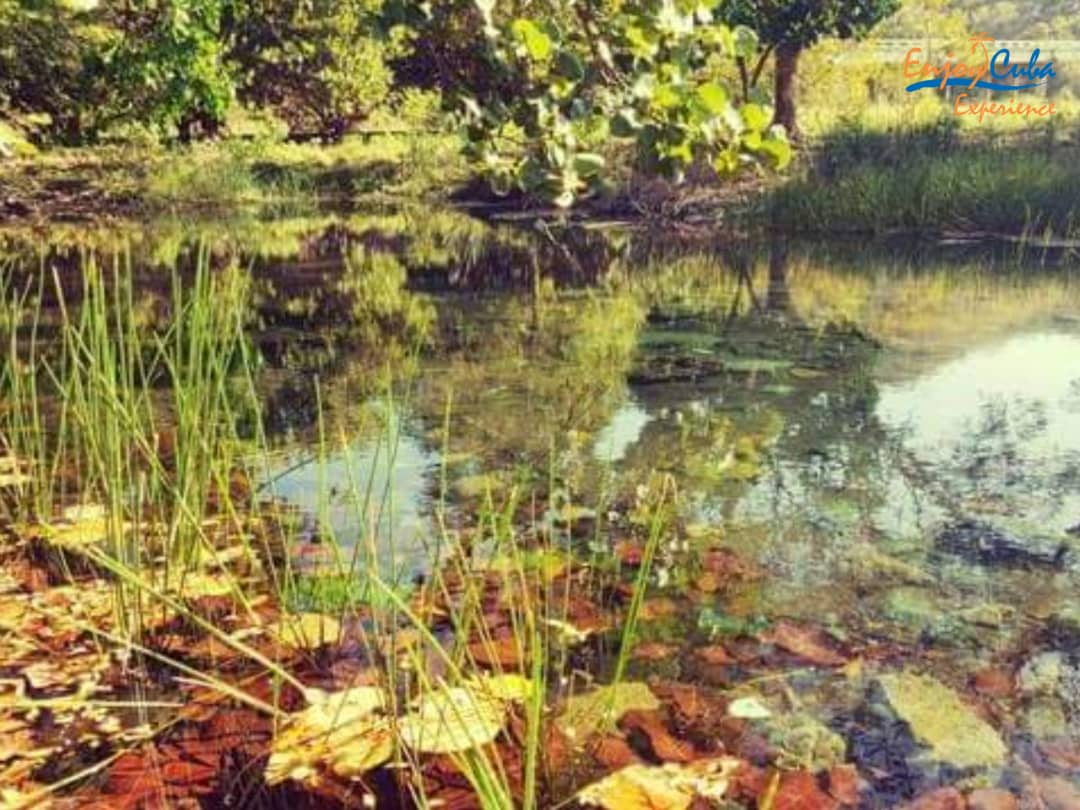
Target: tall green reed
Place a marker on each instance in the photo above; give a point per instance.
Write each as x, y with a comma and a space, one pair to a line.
150, 408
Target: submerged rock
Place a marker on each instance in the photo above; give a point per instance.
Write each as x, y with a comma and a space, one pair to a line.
985, 544
946, 729
1045, 719
805, 742
920, 610
1042, 674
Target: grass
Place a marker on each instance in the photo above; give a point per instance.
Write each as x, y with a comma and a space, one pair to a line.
931, 174
140, 180
137, 426
869, 167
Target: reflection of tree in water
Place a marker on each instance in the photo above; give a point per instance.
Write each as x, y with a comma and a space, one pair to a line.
363, 318
772, 399
993, 460
529, 376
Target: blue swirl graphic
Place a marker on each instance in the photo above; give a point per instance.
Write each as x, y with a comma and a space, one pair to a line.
960, 81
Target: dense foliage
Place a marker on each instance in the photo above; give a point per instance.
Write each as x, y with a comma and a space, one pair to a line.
168, 69
51, 64
787, 27
1004, 19
550, 98
176, 66
321, 65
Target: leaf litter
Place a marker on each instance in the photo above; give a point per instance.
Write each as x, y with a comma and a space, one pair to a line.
68, 697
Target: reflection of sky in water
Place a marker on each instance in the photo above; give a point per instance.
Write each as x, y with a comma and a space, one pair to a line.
997, 428
621, 433
398, 503
1003, 420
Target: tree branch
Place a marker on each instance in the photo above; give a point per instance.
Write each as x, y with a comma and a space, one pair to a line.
761, 64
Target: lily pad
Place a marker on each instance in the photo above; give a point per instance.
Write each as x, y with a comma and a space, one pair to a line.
451, 720
308, 631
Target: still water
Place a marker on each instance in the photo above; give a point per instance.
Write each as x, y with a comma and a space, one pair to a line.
889, 434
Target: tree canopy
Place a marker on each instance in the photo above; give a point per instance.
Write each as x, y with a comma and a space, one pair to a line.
541, 93
552, 96
787, 27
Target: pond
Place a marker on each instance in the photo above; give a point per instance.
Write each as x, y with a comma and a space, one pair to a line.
884, 439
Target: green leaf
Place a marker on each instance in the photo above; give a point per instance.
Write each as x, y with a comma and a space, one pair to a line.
536, 42
746, 41
588, 164
666, 97
713, 97
643, 44
625, 123
755, 117
752, 141
724, 37
726, 162
682, 152
777, 148
570, 65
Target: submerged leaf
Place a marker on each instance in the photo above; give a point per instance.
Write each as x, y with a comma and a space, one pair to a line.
308, 631
453, 719
342, 732
510, 688
672, 787
590, 712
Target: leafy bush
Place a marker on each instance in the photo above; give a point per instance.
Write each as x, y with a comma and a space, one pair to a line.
544, 95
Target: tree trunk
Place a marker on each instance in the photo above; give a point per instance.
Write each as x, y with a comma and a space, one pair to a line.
778, 295
787, 65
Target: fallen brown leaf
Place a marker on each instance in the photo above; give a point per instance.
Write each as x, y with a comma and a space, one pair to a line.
799, 790
808, 643
654, 651
647, 731
946, 798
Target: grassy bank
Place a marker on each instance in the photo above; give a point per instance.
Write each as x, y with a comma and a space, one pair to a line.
933, 176
141, 181
876, 170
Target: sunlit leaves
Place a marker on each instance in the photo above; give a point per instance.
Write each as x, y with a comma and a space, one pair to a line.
755, 117
637, 80
453, 720
347, 733
309, 631
713, 98
671, 786
342, 733
538, 45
